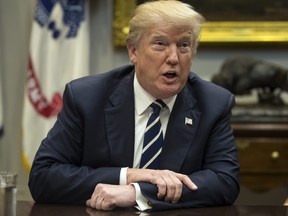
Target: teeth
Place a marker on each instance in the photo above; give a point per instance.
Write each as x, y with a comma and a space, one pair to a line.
170, 72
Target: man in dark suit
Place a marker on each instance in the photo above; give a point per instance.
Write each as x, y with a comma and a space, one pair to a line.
93, 154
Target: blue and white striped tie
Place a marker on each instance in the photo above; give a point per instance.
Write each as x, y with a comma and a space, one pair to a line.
153, 138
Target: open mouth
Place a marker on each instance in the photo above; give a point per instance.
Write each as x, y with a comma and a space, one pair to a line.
170, 74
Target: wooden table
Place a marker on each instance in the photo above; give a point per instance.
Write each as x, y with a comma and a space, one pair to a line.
25, 208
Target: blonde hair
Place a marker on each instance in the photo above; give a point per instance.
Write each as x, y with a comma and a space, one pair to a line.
170, 12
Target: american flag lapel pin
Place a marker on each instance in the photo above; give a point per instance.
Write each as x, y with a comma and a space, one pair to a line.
188, 121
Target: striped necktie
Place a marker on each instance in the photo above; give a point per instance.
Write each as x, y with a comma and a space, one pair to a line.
153, 138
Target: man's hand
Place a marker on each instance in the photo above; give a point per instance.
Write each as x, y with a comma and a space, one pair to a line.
107, 197
169, 183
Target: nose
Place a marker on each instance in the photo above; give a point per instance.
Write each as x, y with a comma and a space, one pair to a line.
172, 55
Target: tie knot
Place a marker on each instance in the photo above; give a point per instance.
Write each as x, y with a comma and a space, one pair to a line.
157, 105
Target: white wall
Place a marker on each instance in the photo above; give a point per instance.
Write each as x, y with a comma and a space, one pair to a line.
15, 24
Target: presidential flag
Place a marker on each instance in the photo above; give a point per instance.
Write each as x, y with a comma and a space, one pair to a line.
59, 52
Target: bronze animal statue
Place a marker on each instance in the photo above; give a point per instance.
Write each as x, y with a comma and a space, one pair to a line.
242, 74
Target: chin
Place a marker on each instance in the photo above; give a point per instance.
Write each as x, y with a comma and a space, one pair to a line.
167, 94
166, 91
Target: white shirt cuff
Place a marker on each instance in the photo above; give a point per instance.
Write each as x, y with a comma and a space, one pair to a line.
141, 201
123, 176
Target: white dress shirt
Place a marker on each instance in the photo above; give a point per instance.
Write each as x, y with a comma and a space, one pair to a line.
142, 113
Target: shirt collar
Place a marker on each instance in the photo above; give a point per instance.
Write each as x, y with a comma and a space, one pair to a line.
143, 99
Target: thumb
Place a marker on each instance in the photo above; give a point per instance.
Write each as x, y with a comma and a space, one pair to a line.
88, 202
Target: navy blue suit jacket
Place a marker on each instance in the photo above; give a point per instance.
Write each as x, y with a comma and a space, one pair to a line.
93, 138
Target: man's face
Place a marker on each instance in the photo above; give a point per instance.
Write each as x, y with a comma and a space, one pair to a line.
162, 59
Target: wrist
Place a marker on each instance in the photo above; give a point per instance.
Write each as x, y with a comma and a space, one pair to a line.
129, 176
133, 192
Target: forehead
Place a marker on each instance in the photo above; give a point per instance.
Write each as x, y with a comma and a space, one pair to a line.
171, 31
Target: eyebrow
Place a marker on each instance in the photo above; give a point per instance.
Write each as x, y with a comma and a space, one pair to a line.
184, 36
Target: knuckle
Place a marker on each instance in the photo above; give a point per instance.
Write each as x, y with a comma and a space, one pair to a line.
171, 185
161, 185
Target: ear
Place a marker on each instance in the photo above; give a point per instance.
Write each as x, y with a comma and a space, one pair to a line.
132, 51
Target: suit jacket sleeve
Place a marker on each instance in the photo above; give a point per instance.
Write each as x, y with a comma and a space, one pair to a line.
60, 173
217, 177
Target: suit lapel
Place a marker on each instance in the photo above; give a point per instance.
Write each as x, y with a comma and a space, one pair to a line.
120, 123
179, 136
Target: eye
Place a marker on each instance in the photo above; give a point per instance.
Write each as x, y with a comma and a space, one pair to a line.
159, 45
184, 46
